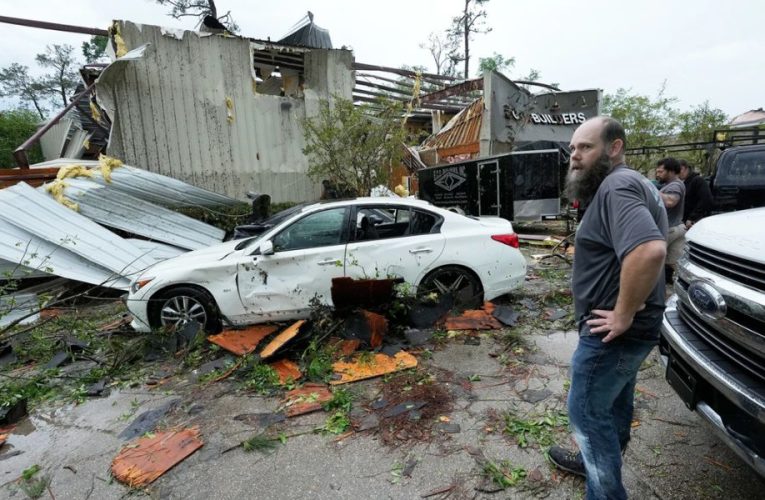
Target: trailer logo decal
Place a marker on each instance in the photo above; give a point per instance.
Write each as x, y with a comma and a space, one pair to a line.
451, 178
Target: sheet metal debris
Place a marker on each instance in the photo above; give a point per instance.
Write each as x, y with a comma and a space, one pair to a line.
142, 462
361, 367
306, 399
20, 246
285, 336
19, 306
474, 319
242, 342
115, 209
26, 208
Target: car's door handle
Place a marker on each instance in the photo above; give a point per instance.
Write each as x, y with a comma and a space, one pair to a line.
421, 250
328, 262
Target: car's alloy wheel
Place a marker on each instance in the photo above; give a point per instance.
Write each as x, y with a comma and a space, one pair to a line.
455, 281
182, 305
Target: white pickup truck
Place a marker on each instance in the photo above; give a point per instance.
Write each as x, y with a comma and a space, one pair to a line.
713, 332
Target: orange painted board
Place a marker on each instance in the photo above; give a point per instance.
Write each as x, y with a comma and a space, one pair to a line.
379, 364
306, 399
288, 334
147, 458
286, 370
242, 342
474, 319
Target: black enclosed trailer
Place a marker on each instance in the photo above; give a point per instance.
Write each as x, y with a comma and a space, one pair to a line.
523, 185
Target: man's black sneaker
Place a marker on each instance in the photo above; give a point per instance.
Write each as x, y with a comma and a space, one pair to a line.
567, 460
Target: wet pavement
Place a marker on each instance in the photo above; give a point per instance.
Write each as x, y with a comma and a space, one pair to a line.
507, 395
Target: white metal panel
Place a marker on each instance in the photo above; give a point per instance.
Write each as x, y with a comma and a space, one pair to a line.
26, 208
13, 270
157, 251
114, 209
170, 115
52, 142
149, 186
18, 246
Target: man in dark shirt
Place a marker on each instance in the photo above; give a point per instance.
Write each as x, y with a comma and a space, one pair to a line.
698, 196
618, 301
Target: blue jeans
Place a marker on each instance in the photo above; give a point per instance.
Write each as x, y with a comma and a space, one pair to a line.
600, 404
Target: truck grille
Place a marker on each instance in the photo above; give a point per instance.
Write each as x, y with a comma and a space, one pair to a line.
740, 270
750, 361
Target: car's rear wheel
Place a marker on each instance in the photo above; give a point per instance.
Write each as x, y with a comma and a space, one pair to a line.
459, 282
178, 306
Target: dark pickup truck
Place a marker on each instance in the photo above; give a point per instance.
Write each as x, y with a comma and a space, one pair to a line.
738, 179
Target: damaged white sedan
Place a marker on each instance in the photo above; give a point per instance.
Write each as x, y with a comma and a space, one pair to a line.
274, 276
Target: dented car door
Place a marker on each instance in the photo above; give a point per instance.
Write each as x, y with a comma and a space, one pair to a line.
393, 242
307, 254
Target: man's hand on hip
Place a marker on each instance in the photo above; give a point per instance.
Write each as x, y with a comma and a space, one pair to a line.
609, 322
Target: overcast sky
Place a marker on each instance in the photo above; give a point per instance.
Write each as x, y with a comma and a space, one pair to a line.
703, 49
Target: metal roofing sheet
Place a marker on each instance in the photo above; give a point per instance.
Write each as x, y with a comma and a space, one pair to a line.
18, 246
25, 207
149, 186
110, 207
157, 251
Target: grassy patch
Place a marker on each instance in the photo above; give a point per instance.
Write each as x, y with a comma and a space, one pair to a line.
539, 430
503, 474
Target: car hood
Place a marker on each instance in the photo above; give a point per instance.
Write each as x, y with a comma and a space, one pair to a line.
192, 259
734, 233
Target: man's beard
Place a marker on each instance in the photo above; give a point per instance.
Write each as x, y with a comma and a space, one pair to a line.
583, 184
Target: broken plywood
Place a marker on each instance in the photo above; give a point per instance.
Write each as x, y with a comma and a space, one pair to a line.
286, 370
143, 461
474, 319
281, 339
242, 342
306, 399
364, 367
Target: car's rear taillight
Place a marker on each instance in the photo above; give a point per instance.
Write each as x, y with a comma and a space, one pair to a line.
508, 239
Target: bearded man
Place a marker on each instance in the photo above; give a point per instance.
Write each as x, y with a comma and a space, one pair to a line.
618, 301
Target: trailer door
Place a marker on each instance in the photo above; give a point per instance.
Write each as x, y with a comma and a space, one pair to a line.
488, 188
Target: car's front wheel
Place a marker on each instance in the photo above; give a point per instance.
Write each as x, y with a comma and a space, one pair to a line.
456, 281
179, 306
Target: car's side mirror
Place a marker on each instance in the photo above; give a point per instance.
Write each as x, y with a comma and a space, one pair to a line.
267, 248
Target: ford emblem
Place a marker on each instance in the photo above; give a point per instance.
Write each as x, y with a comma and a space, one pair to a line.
706, 300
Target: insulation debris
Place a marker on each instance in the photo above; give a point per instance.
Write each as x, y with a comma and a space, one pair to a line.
242, 342
362, 368
474, 319
306, 399
286, 370
281, 339
146, 459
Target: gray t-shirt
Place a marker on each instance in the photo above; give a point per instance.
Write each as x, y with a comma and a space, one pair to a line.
675, 214
625, 212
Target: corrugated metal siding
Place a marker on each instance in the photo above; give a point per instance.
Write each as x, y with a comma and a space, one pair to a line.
111, 208
170, 116
21, 247
24, 207
461, 130
149, 186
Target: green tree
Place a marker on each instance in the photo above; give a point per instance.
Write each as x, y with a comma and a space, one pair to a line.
16, 82
61, 81
698, 125
16, 126
94, 50
199, 9
648, 121
497, 62
471, 21
351, 146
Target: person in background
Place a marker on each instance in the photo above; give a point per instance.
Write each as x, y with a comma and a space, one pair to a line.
673, 195
698, 196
